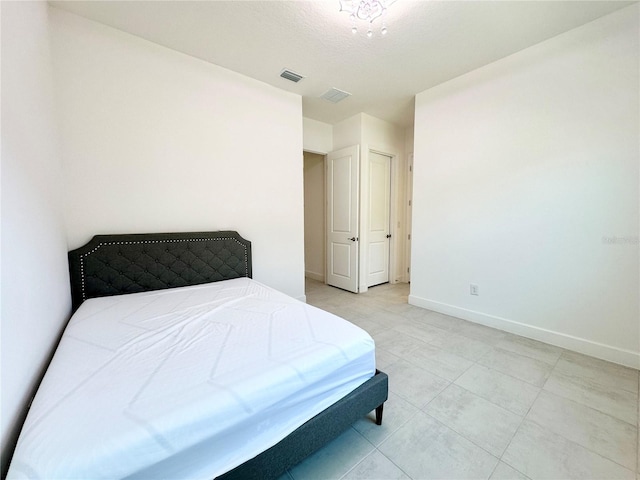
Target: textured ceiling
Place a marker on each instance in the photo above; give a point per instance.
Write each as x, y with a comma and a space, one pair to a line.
428, 42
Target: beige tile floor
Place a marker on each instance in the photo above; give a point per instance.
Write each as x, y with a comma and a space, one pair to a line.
468, 401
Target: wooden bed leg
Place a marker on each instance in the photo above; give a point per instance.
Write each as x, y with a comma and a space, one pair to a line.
379, 414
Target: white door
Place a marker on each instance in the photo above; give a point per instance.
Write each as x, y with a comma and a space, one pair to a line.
379, 237
342, 218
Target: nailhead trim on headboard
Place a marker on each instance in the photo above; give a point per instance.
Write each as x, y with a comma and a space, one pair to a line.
134, 261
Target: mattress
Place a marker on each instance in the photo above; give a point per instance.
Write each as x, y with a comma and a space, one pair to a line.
185, 383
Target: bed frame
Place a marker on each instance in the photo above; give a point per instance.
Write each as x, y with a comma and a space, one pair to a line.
121, 264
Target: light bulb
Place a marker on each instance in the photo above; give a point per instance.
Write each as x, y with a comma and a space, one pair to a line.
354, 29
369, 32
384, 30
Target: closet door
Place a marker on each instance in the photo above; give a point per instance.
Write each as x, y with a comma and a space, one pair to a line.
379, 234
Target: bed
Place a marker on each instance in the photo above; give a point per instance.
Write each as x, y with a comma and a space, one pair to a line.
177, 364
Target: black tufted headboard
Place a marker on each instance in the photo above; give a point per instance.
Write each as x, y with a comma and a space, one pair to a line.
117, 264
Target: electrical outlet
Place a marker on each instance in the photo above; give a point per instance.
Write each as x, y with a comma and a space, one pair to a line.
473, 289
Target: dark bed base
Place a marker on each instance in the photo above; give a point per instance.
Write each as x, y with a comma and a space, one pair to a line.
316, 432
121, 264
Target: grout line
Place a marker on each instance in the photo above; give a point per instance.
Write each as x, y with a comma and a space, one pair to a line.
495, 468
471, 440
366, 456
524, 417
596, 408
463, 436
411, 417
513, 376
356, 465
508, 464
527, 412
397, 466
602, 455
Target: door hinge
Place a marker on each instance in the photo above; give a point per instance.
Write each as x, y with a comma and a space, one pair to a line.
407, 269
409, 237
411, 168
409, 202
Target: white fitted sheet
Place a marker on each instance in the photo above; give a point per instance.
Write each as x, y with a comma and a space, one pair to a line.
186, 383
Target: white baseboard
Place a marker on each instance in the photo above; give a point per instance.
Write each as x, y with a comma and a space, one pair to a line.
314, 276
620, 356
302, 298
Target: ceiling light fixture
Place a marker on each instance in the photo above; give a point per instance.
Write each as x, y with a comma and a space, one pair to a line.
367, 11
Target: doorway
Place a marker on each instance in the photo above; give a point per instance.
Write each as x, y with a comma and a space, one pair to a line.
351, 240
314, 215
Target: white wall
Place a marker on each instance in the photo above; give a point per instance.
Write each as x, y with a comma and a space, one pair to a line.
34, 281
154, 140
348, 132
317, 136
314, 219
408, 140
408, 184
525, 171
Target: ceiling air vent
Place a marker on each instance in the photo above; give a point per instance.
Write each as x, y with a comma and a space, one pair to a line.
334, 95
289, 75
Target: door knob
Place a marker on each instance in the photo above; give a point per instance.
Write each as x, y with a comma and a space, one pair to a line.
353, 239
388, 235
